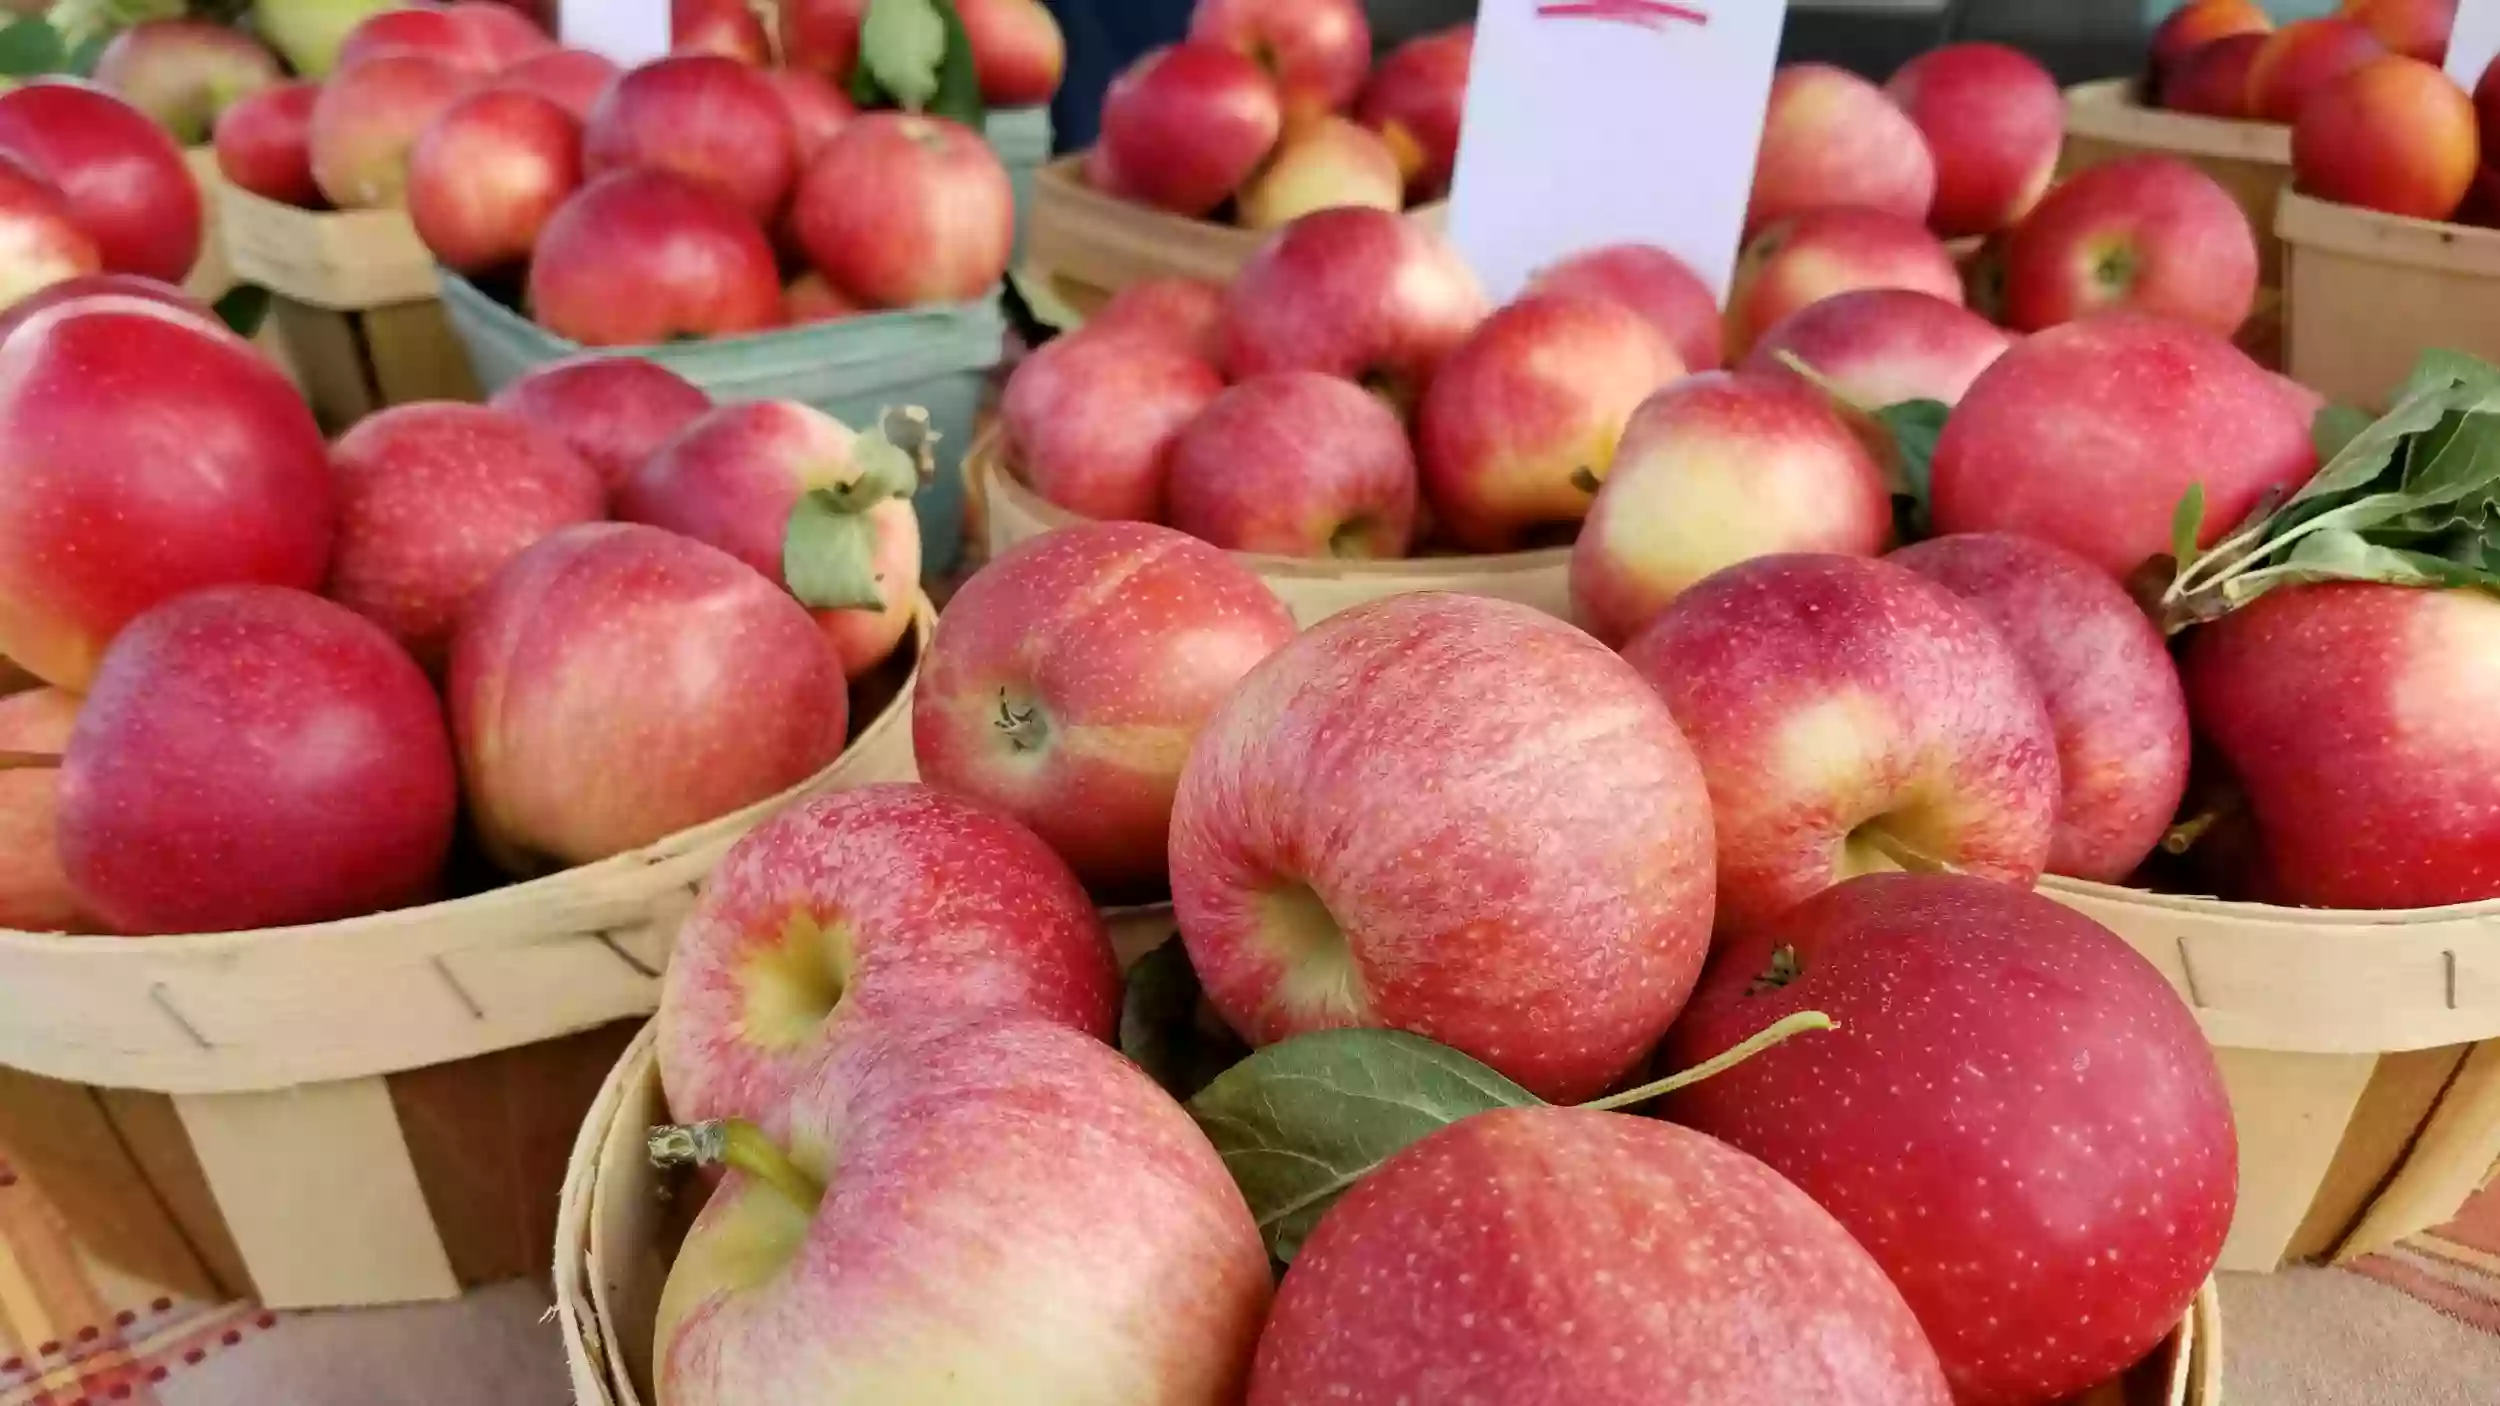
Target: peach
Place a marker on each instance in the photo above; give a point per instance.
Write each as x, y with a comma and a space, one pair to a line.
2302, 57
1807, 258
1994, 120
2212, 81
2395, 134
1830, 137
2150, 232
2201, 22
2417, 29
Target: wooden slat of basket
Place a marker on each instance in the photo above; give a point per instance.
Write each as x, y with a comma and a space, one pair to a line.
2366, 293
2451, 1160
345, 260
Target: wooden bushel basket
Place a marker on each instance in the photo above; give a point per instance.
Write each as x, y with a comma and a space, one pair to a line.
361, 1112
2361, 1051
2365, 294
2252, 160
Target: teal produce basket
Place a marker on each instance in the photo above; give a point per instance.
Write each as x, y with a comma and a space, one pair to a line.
1021, 137
935, 358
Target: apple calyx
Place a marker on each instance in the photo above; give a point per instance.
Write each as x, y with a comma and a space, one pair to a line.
1777, 1033
28, 761
1024, 728
1784, 969
2115, 270
1586, 480
739, 1145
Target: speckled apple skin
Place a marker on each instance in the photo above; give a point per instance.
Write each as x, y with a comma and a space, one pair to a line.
615, 411
2357, 720
35, 895
1122, 638
1559, 1257
1799, 261
2017, 1117
1092, 417
1353, 292
1884, 346
1499, 816
1015, 1214
944, 905
2194, 254
1824, 693
1286, 463
1652, 282
1830, 138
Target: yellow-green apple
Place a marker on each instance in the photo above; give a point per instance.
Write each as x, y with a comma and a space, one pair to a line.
183, 72
2417, 29
822, 36
254, 757
1652, 282
122, 174
1458, 1270
811, 297
2088, 434
2347, 715
88, 285
1521, 422
2105, 677
1317, 51
308, 33
815, 107
902, 211
264, 145
1941, 1125
486, 177
614, 411
2212, 80
418, 31
434, 498
1994, 120
1831, 138
2302, 57
2200, 22
145, 452
499, 32
1321, 163
2395, 134
1183, 127
1092, 415
893, 902
1717, 469
721, 28
1799, 261
1007, 1178
369, 117
700, 116
734, 698
637, 258
1362, 294
1190, 311
1070, 676
2149, 233
572, 79
1295, 464
35, 895
1884, 346
733, 478
1852, 717
41, 245
1415, 99
1455, 816
1018, 53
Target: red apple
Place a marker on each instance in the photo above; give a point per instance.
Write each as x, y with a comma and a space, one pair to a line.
1317, 51
2149, 233
415, 31
124, 177
434, 499
888, 903
2104, 675
487, 176
721, 28
1362, 294
1017, 50
2350, 718
2395, 135
1008, 1173
1716, 469
2088, 434
811, 298
902, 211
35, 895
369, 117
88, 285
2212, 81
1414, 100
1459, 1269
144, 453
822, 36
613, 411
1652, 282
2302, 57
637, 258
2417, 29
254, 757
41, 245
815, 107
264, 145
2200, 22
1070, 676
700, 116
734, 698
1183, 127
499, 33
1831, 138
1942, 1121
1522, 420
572, 79
1322, 163
1189, 311
1884, 346
1092, 417
184, 72
1994, 120
1295, 464
1852, 717
1800, 261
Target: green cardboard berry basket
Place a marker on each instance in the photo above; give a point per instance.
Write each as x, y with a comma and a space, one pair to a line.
1021, 136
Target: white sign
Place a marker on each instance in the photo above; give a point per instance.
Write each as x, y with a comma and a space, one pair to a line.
1611, 121
2474, 42
628, 32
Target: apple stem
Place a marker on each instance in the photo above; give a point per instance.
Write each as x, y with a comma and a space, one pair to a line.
737, 1144
2182, 837
1023, 727
1778, 1033
1912, 859
28, 761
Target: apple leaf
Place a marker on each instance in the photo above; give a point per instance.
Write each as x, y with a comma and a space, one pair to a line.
30, 48
2187, 523
828, 553
902, 45
958, 81
1304, 1119
1913, 427
2335, 427
244, 308
1163, 1028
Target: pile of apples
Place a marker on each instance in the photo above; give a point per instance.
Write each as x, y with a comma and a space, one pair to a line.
90, 187
277, 671
1271, 109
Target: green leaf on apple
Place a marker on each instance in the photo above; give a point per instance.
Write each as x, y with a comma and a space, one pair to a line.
958, 81
1164, 1027
2335, 427
244, 308
30, 47
902, 44
1913, 427
2187, 523
828, 547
